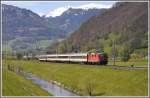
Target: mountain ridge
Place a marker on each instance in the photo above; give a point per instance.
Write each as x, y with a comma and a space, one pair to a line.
125, 22
71, 19
58, 11
25, 27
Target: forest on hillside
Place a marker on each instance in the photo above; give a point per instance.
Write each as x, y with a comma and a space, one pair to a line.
121, 31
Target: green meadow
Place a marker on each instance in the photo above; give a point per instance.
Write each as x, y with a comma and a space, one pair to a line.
135, 62
101, 81
16, 85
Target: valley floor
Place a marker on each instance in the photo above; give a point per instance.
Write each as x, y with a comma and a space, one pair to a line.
87, 80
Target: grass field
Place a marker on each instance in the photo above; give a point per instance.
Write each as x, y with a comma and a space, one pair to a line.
103, 81
15, 85
130, 62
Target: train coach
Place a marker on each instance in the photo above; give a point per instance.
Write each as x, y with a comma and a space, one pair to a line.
87, 58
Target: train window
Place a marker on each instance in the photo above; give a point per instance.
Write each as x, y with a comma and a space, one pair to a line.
52, 56
77, 56
62, 56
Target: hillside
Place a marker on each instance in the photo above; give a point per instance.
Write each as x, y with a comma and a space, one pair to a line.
22, 29
126, 24
25, 23
71, 19
26, 31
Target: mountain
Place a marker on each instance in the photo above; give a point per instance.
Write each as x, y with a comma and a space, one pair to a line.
125, 23
25, 30
28, 27
58, 11
71, 19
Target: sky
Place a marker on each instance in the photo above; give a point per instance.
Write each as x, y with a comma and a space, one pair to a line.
56, 8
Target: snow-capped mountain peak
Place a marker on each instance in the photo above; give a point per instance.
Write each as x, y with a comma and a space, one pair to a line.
56, 12
59, 11
93, 5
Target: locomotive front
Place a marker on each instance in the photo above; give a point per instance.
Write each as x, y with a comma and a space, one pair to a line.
97, 58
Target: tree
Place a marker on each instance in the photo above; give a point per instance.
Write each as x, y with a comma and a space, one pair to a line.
52, 47
111, 44
61, 48
125, 52
89, 46
19, 56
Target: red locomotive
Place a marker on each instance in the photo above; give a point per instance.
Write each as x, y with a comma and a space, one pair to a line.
87, 58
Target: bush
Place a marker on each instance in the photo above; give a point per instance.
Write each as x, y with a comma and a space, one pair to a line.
19, 56
135, 56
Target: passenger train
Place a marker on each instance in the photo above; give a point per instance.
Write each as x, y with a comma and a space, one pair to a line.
86, 58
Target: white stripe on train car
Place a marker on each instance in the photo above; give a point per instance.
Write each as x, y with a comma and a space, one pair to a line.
57, 59
55, 55
64, 57
78, 60
67, 59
